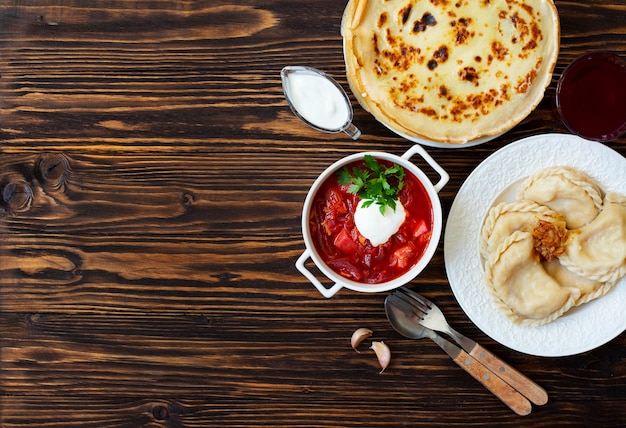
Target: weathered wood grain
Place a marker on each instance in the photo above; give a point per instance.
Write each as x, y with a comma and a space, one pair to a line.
149, 231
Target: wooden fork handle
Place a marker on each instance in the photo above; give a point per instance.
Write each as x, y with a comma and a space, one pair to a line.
509, 396
521, 383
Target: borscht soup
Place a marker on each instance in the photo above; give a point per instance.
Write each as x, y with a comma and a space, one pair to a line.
347, 252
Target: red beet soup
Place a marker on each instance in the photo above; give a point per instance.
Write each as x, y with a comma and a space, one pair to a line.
348, 253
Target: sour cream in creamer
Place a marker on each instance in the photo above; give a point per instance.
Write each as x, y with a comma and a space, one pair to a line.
317, 100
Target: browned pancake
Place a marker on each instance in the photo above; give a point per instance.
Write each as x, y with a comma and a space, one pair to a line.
450, 71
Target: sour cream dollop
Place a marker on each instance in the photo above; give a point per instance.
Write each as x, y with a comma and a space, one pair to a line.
375, 226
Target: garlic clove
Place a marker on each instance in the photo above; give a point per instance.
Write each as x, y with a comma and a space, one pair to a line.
359, 336
383, 353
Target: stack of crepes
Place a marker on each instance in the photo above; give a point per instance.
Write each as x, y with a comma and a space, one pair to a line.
450, 72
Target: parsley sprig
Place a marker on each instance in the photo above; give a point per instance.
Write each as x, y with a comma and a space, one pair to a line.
375, 183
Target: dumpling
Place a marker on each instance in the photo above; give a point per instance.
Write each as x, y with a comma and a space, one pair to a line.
520, 285
565, 190
597, 251
507, 217
589, 289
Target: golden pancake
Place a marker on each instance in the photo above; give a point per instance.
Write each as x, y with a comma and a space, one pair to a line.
450, 71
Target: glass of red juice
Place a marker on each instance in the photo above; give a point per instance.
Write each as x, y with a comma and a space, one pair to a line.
591, 96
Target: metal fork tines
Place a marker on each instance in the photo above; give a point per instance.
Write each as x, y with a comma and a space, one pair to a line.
430, 316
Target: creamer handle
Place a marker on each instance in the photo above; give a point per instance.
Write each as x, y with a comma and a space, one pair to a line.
444, 177
326, 292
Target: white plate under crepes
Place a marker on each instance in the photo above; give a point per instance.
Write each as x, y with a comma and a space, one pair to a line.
581, 329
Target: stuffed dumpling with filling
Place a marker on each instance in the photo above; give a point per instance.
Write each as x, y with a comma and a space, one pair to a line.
589, 289
507, 217
597, 251
522, 288
565, 190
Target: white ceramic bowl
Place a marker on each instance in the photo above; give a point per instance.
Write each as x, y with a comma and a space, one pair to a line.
340, 281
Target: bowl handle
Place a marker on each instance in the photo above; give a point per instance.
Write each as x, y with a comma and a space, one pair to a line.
326, 292
417, 149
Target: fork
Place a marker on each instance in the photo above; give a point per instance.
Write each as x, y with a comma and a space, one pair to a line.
403, 319
432, 317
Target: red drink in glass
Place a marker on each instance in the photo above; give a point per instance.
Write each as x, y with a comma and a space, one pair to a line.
591, 96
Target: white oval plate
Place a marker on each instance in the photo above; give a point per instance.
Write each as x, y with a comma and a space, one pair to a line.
439, 145
581, 329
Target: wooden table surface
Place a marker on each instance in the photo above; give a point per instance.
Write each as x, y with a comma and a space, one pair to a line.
153, 180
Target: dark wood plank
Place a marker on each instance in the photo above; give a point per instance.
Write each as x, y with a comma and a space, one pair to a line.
147, 271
